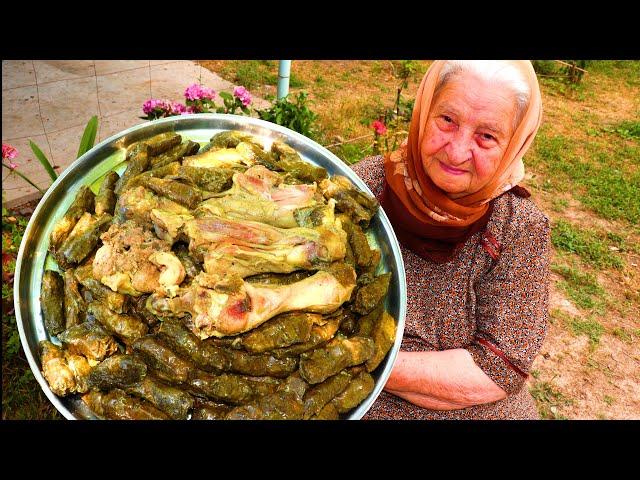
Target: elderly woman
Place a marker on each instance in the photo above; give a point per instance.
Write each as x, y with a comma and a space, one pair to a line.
475, 248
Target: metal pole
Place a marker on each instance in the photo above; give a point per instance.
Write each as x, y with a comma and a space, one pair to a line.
284, 68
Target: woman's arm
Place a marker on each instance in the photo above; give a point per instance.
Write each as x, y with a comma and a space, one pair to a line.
445, 380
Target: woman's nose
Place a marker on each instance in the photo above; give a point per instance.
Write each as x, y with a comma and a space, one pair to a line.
460, 148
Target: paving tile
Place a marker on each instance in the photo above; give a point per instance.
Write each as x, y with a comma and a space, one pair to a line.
17, 73
68, 103
104, 67
170, 80
65, 144
161, 62
54, 70
122, 121
119, 92
20, 113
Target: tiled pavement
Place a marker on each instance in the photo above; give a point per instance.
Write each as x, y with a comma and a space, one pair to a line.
50, 102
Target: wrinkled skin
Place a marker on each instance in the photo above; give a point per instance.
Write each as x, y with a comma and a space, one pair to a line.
244, 307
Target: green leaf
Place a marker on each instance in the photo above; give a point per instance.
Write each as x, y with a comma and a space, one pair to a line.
88, 137
23, 177
225, 96
43, 160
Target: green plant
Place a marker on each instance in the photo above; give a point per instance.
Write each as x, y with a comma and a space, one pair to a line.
582, 288
548, 399
591, 247
589, 327
295, 115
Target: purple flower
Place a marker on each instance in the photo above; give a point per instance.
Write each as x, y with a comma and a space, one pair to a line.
9, 152
243, 94
198, 92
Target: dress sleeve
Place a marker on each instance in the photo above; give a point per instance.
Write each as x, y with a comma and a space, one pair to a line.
371, 171
512, 306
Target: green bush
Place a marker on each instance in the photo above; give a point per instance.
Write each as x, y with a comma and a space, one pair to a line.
294, 115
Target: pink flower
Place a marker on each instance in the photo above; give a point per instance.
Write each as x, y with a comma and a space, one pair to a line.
12, 165
152, 104
243, 94
176, 108
188, 110
198, 92
9, 152
379, 127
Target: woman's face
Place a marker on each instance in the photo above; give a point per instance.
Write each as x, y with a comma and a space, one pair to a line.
467, 132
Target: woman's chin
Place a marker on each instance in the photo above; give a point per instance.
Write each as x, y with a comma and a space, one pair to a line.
451, 187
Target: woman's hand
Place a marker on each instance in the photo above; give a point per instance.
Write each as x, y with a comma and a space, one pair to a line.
445, 380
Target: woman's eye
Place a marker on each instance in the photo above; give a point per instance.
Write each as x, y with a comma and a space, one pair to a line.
487, 136
447, 118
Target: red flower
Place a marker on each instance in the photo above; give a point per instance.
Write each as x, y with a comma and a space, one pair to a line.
379, 127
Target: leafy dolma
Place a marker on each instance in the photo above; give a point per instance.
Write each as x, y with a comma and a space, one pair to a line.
360, 387
280, 331
138, 162
368, 296
174, 402
319, 335
207, 410
126, 327
83, 202
106, 198
230, 388
183, 194
118, 371
84, 238
98, 292
174, 154
117, 405
321, 394
336, 355
51, 295
65, 372
74, 304
328, 412
89, 339
167, 365
384, 333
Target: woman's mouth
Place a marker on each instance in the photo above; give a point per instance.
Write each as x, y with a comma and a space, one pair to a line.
451, 170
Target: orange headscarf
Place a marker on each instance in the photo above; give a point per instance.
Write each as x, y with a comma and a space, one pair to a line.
425, 218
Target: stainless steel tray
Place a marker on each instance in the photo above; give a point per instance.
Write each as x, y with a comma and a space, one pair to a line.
109, 155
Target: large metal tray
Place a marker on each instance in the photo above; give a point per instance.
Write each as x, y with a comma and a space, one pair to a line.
109, 155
